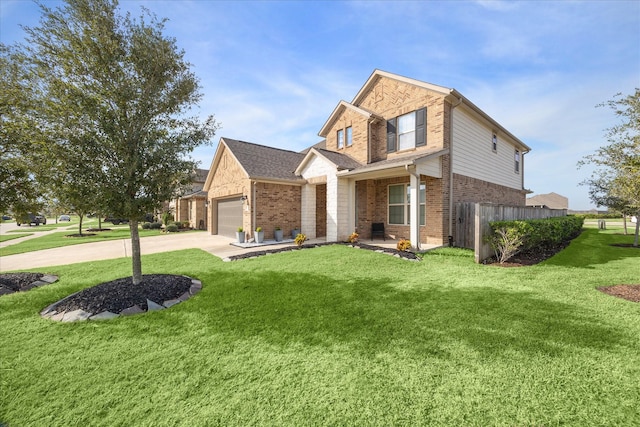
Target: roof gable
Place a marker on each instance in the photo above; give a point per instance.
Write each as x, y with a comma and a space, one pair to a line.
262, 162
339, 160
340, 108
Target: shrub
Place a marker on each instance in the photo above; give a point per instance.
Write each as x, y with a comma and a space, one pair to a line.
172, 228
507, 238
146, 226
353, 237
258, 229
156, 225
403, 245
550, 232
167, 217
510, 237
186, 224
240, 229
300, 239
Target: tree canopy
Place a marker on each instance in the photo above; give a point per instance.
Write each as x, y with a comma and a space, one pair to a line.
112, 103
615, 182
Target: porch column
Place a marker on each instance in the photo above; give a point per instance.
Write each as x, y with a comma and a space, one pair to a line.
309, 211
414, 208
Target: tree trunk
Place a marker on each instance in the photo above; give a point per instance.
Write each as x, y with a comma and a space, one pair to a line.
635, 240
624, 222
80, 224
135, 252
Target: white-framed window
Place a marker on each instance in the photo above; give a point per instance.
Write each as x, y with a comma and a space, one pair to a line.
517, 161
407, 131
349, 136
494, 142
341, 138
400, 204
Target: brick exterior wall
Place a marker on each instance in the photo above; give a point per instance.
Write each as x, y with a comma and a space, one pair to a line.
389, 99
277, 205
229, 180
466, 189
372, 201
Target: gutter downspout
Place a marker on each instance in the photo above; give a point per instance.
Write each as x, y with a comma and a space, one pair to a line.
414, 215
453, 106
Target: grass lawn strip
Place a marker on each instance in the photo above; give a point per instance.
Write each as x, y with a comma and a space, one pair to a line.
60, 239
5, 237
318, 337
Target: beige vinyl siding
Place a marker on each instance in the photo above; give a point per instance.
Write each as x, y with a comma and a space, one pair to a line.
473, 153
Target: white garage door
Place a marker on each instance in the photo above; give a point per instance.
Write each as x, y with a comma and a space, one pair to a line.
229, 216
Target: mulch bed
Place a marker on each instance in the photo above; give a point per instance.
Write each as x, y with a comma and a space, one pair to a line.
628, 292
400, 254
17, 282
120, 294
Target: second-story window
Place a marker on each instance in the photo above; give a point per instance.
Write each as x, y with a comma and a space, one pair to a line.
341, 138
494, 142
517, 161
349, 136
407, 131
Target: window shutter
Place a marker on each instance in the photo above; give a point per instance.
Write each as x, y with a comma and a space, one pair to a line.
421, 127
391, 135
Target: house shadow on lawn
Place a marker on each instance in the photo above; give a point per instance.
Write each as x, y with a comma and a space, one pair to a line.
372, 316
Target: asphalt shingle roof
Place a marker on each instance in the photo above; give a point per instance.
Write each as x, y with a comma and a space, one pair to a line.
261, 161
341, 160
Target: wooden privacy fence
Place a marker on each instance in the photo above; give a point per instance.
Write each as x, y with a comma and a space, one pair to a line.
472, 223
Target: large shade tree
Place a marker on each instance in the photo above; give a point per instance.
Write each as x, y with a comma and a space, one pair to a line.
615, 182
115, 94
19, 189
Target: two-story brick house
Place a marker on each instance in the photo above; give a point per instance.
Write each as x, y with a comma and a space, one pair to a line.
400, 140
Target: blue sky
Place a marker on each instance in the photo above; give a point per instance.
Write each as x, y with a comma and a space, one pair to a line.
272, 72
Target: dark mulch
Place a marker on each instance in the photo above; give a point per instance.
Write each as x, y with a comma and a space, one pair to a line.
80, 235
401, 254
119, 294
18, 282
93, 230
531, 257
628, 292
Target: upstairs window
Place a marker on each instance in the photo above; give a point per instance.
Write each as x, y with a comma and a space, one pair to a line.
494, 142
341, 138
517, 161
349, 137
407, 131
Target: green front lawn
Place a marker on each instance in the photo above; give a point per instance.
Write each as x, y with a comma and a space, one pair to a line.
56, 240
5, 237
337, 336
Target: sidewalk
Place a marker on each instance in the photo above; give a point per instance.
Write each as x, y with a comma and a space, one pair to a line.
219, 246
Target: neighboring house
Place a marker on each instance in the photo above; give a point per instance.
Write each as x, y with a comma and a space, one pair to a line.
550, 200
400, 140
192, 204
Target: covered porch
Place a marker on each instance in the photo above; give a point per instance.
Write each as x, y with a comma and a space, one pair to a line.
381, 193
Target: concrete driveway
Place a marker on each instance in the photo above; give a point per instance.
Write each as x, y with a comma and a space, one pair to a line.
217, 245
